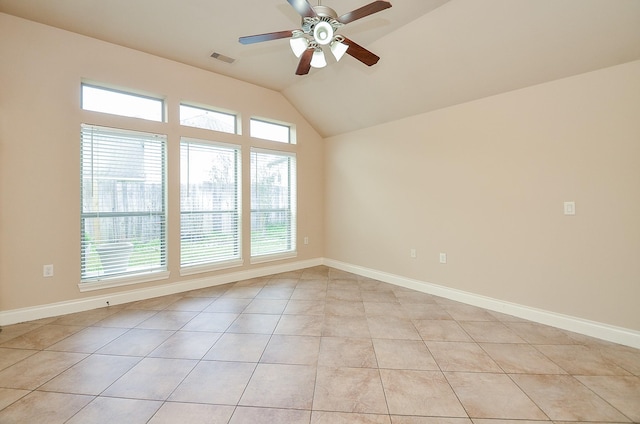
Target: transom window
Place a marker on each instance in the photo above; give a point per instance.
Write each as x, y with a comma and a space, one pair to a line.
270, 131
115, 102
208, 119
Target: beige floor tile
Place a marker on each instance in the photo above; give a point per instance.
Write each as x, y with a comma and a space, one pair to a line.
492, 421
254, 324
323, 417
251, 415
280, 386
441, 330
304, 307
229, 305
43, 408
349, 390
621, 392
92, 375
308, 292
151, 378
275, 290
105, 410
423, 393
490, 332
623, 356
344, 308
186, 345
300, 325
154, 304
215, 382
12, 331
388, 327
395, 419
213, 322
192, 413
211, 292
37, 369
459, 356
317, 272
344, 294
312, 283
540, 334
462, 312
8, 396
125, 318
387, 309
88, 340
404, 354
294, 350
345, 326
86, 318
374, 296
190, 303
485, 395
425, 311
406, 296
562, 397
347, 352
521, 359
9, 357
266, 306
136, 342
238, 347
242, 292
167, 320
42, 337
580, 360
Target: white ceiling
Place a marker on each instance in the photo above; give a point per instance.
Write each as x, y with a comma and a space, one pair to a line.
434, 53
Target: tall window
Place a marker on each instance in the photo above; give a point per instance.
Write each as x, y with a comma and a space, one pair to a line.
209, 203
123, 218
273, 202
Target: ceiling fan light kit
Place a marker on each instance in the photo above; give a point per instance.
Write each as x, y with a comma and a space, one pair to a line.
319, 27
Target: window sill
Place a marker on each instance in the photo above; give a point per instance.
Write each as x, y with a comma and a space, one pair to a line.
108, 283
199, 269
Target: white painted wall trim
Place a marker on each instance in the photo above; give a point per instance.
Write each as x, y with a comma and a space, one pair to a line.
15, 316
595, 329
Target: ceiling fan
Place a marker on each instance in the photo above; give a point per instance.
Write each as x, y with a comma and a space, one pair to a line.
319, 27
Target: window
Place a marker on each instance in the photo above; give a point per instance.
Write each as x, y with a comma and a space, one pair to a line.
123, 217
209, 203
273, 203
116, 102
207, 119
270, 131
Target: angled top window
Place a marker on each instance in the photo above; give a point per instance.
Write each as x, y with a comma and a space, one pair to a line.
270, 131
115, 102
207, 119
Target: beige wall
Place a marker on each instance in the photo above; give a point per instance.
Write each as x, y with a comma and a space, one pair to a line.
41, 69
485, 183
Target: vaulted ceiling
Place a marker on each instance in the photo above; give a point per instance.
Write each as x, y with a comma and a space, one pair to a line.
434, 53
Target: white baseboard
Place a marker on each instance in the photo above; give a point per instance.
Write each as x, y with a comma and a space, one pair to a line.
595, 329
15, 316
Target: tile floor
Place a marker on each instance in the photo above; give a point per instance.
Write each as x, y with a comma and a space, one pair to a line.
312, 346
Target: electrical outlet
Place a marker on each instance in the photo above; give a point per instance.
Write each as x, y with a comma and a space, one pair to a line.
443, 258
569, 208
306, 240
47, 271
413, 253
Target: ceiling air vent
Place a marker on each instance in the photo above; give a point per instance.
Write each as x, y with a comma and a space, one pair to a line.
222, 57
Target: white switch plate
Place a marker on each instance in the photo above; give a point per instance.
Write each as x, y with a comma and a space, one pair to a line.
569, 208
443, 258
306, 240
413, 253
47, 271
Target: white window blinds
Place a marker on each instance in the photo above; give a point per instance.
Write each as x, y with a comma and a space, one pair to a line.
123, 218
273, 202
209, 203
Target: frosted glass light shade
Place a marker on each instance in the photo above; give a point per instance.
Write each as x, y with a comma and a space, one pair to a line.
318, 60
338, 49
298, 45
323, 33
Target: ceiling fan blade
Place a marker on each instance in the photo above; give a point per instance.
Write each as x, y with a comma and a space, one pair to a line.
305, 62
250, 39
303, 8
364, 11
360, 53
